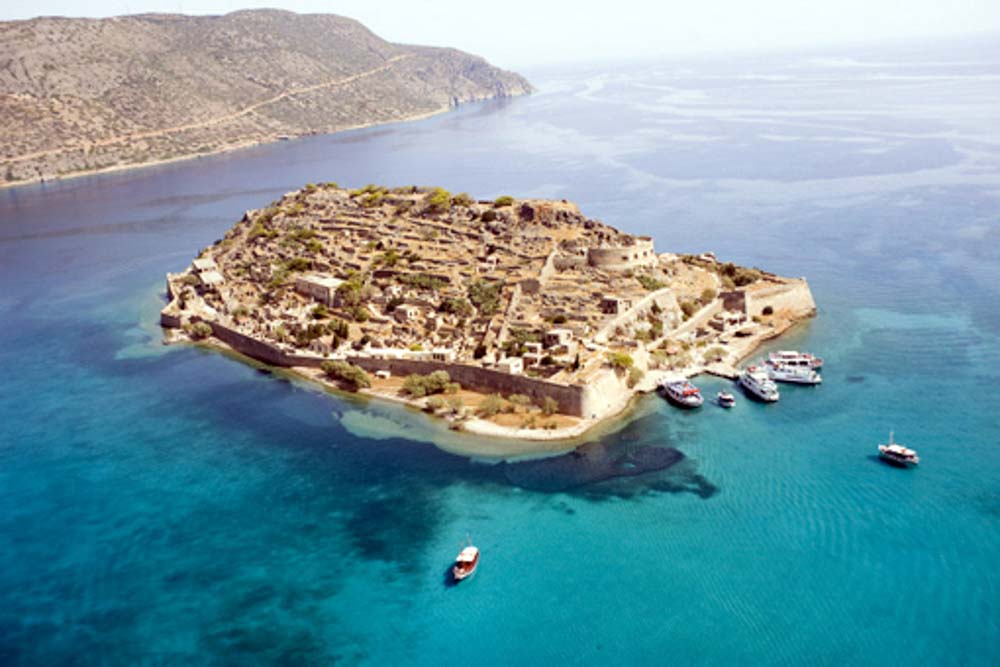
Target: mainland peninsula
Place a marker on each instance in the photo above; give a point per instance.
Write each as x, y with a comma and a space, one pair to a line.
81, 96
518, 318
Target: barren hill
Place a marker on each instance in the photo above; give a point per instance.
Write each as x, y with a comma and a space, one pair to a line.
85, 94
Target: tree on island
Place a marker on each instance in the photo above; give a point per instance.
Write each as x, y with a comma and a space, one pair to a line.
353, 376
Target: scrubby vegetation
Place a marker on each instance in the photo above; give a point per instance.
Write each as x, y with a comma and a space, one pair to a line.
650, 283
485, 295
438, 382
620, 361
347, 373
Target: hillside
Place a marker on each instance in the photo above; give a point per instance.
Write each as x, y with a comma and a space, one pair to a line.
84, 94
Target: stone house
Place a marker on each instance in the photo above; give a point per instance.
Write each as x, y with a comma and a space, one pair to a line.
320, 288
557, 337
613, 305
406, 312
511, 365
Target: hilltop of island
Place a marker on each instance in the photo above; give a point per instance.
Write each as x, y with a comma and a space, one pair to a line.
511, 317
86, 95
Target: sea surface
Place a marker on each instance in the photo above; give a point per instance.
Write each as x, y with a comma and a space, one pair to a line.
178, 506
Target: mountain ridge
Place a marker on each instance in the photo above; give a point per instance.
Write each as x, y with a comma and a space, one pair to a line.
83, 95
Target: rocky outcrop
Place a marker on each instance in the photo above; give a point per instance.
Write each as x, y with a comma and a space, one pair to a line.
82, 94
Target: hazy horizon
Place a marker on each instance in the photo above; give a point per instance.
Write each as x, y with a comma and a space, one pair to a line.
578, 33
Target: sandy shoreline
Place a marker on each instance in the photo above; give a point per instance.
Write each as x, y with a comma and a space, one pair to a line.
225, 149
483, 439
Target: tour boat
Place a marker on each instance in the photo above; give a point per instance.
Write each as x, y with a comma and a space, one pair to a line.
465, 563
756, 383
725, 399
794, 358
793, 374
898, 454
683, 393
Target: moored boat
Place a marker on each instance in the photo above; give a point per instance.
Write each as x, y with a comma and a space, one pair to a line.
793, 374
795, 358
898, 454
682, 393
465, 563
756, 383
725, 399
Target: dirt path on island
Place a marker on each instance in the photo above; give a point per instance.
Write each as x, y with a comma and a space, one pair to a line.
217, 120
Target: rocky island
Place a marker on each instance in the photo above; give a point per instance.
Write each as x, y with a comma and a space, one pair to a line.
87, 95
513, 317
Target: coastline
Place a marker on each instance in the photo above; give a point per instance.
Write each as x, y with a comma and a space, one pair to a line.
478, 438
485, 440
224, 149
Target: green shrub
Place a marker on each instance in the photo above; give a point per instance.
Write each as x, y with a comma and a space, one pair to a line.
456, 306
455, 405
489, 216
349, 374
549, 406
519, 401
462, 199
422, 281
689, 308
491, 405
714, 354
434, 403
438, 200
620, 361
650, 283
503, 200
200, 330
635, 376
485, 295
419, 386
297, 264
707, 295
320, 312
360, 314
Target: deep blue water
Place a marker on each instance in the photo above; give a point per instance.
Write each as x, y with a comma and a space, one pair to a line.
165, 505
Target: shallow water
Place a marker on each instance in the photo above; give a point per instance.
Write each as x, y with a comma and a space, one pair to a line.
159, 505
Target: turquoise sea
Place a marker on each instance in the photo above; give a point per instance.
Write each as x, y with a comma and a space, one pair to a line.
168, 506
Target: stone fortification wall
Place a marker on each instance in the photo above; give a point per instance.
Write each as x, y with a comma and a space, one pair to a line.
639, 254
793, 297
664, 298
606, 392
484, 380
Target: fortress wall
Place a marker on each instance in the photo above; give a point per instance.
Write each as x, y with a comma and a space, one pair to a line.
641, 253
794, 297
484, 380
664, 298
604, 394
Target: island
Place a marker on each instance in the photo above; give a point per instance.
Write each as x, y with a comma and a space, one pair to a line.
518, 318
81, 96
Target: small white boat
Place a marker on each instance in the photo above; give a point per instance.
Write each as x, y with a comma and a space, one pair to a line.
794, 358
725, 399
793, 374
465, 563
898, 454
682, 393
756, 383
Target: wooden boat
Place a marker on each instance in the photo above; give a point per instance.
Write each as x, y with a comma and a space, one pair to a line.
465, 563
